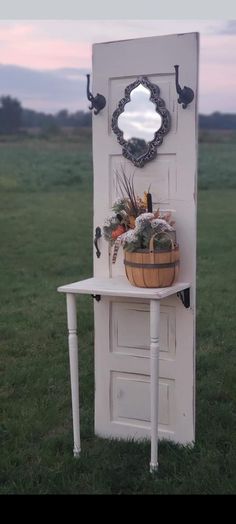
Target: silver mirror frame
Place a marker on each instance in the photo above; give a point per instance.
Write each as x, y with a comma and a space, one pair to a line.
151, 152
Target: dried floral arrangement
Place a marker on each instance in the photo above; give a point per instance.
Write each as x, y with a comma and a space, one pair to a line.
134, 222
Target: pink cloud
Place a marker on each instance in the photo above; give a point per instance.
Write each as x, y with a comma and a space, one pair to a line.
218, 48
46, 54
60, 44
7, 34
217, 63
24, 45
214, 79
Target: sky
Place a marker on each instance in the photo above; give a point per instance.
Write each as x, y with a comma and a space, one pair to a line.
43, 63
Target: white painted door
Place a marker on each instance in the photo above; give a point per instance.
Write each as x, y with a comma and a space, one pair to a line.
122, 326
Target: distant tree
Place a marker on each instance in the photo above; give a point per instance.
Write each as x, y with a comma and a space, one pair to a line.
87, 119
62, 117
30, 118
137, 146
63, 113
10, 115
81, 119
218, 120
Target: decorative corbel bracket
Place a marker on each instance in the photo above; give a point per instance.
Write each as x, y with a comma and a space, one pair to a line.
184, 296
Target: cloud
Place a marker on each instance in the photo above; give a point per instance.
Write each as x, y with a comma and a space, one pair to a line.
46, 54
13, 32
47, 91
229, 28
50, 44
53, 57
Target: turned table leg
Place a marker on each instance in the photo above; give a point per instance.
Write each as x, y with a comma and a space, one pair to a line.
74, 370
154, 373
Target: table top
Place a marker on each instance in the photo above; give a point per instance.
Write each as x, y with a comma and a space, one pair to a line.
120, 287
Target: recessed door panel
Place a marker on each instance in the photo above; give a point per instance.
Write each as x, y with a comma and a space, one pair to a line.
125, 389
130, 329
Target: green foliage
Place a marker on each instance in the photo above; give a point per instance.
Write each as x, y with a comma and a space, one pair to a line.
113, 223
135, 245
46, 240
119, 205
146, 235
142, 238
163, 241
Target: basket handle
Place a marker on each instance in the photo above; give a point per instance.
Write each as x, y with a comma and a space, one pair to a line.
151, 244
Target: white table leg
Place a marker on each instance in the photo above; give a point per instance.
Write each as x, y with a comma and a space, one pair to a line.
154, 373
74, 369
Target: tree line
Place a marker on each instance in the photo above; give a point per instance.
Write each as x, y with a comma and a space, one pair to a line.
14, 118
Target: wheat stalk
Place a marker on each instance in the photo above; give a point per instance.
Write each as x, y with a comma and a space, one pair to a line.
126, 189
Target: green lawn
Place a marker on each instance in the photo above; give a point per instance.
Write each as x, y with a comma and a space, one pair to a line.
45, 221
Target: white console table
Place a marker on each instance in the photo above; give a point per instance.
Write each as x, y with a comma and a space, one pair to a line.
119, 287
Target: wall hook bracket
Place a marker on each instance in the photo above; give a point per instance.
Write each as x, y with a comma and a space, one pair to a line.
186, 95
184, 296
98, 102
96, 297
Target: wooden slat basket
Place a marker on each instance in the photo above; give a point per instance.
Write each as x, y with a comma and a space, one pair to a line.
152, 268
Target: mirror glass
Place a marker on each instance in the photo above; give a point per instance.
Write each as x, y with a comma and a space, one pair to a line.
139, 121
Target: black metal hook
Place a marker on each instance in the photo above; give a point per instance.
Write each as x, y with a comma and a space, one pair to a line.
98, 235
186, 95
96, 297
98, 102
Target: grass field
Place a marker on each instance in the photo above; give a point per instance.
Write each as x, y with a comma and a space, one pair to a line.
45, 221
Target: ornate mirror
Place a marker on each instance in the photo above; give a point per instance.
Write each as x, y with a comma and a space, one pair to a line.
141, 121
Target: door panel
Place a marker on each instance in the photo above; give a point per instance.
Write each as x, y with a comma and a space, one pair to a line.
122, 326
126, 388
163, 187
130, 329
